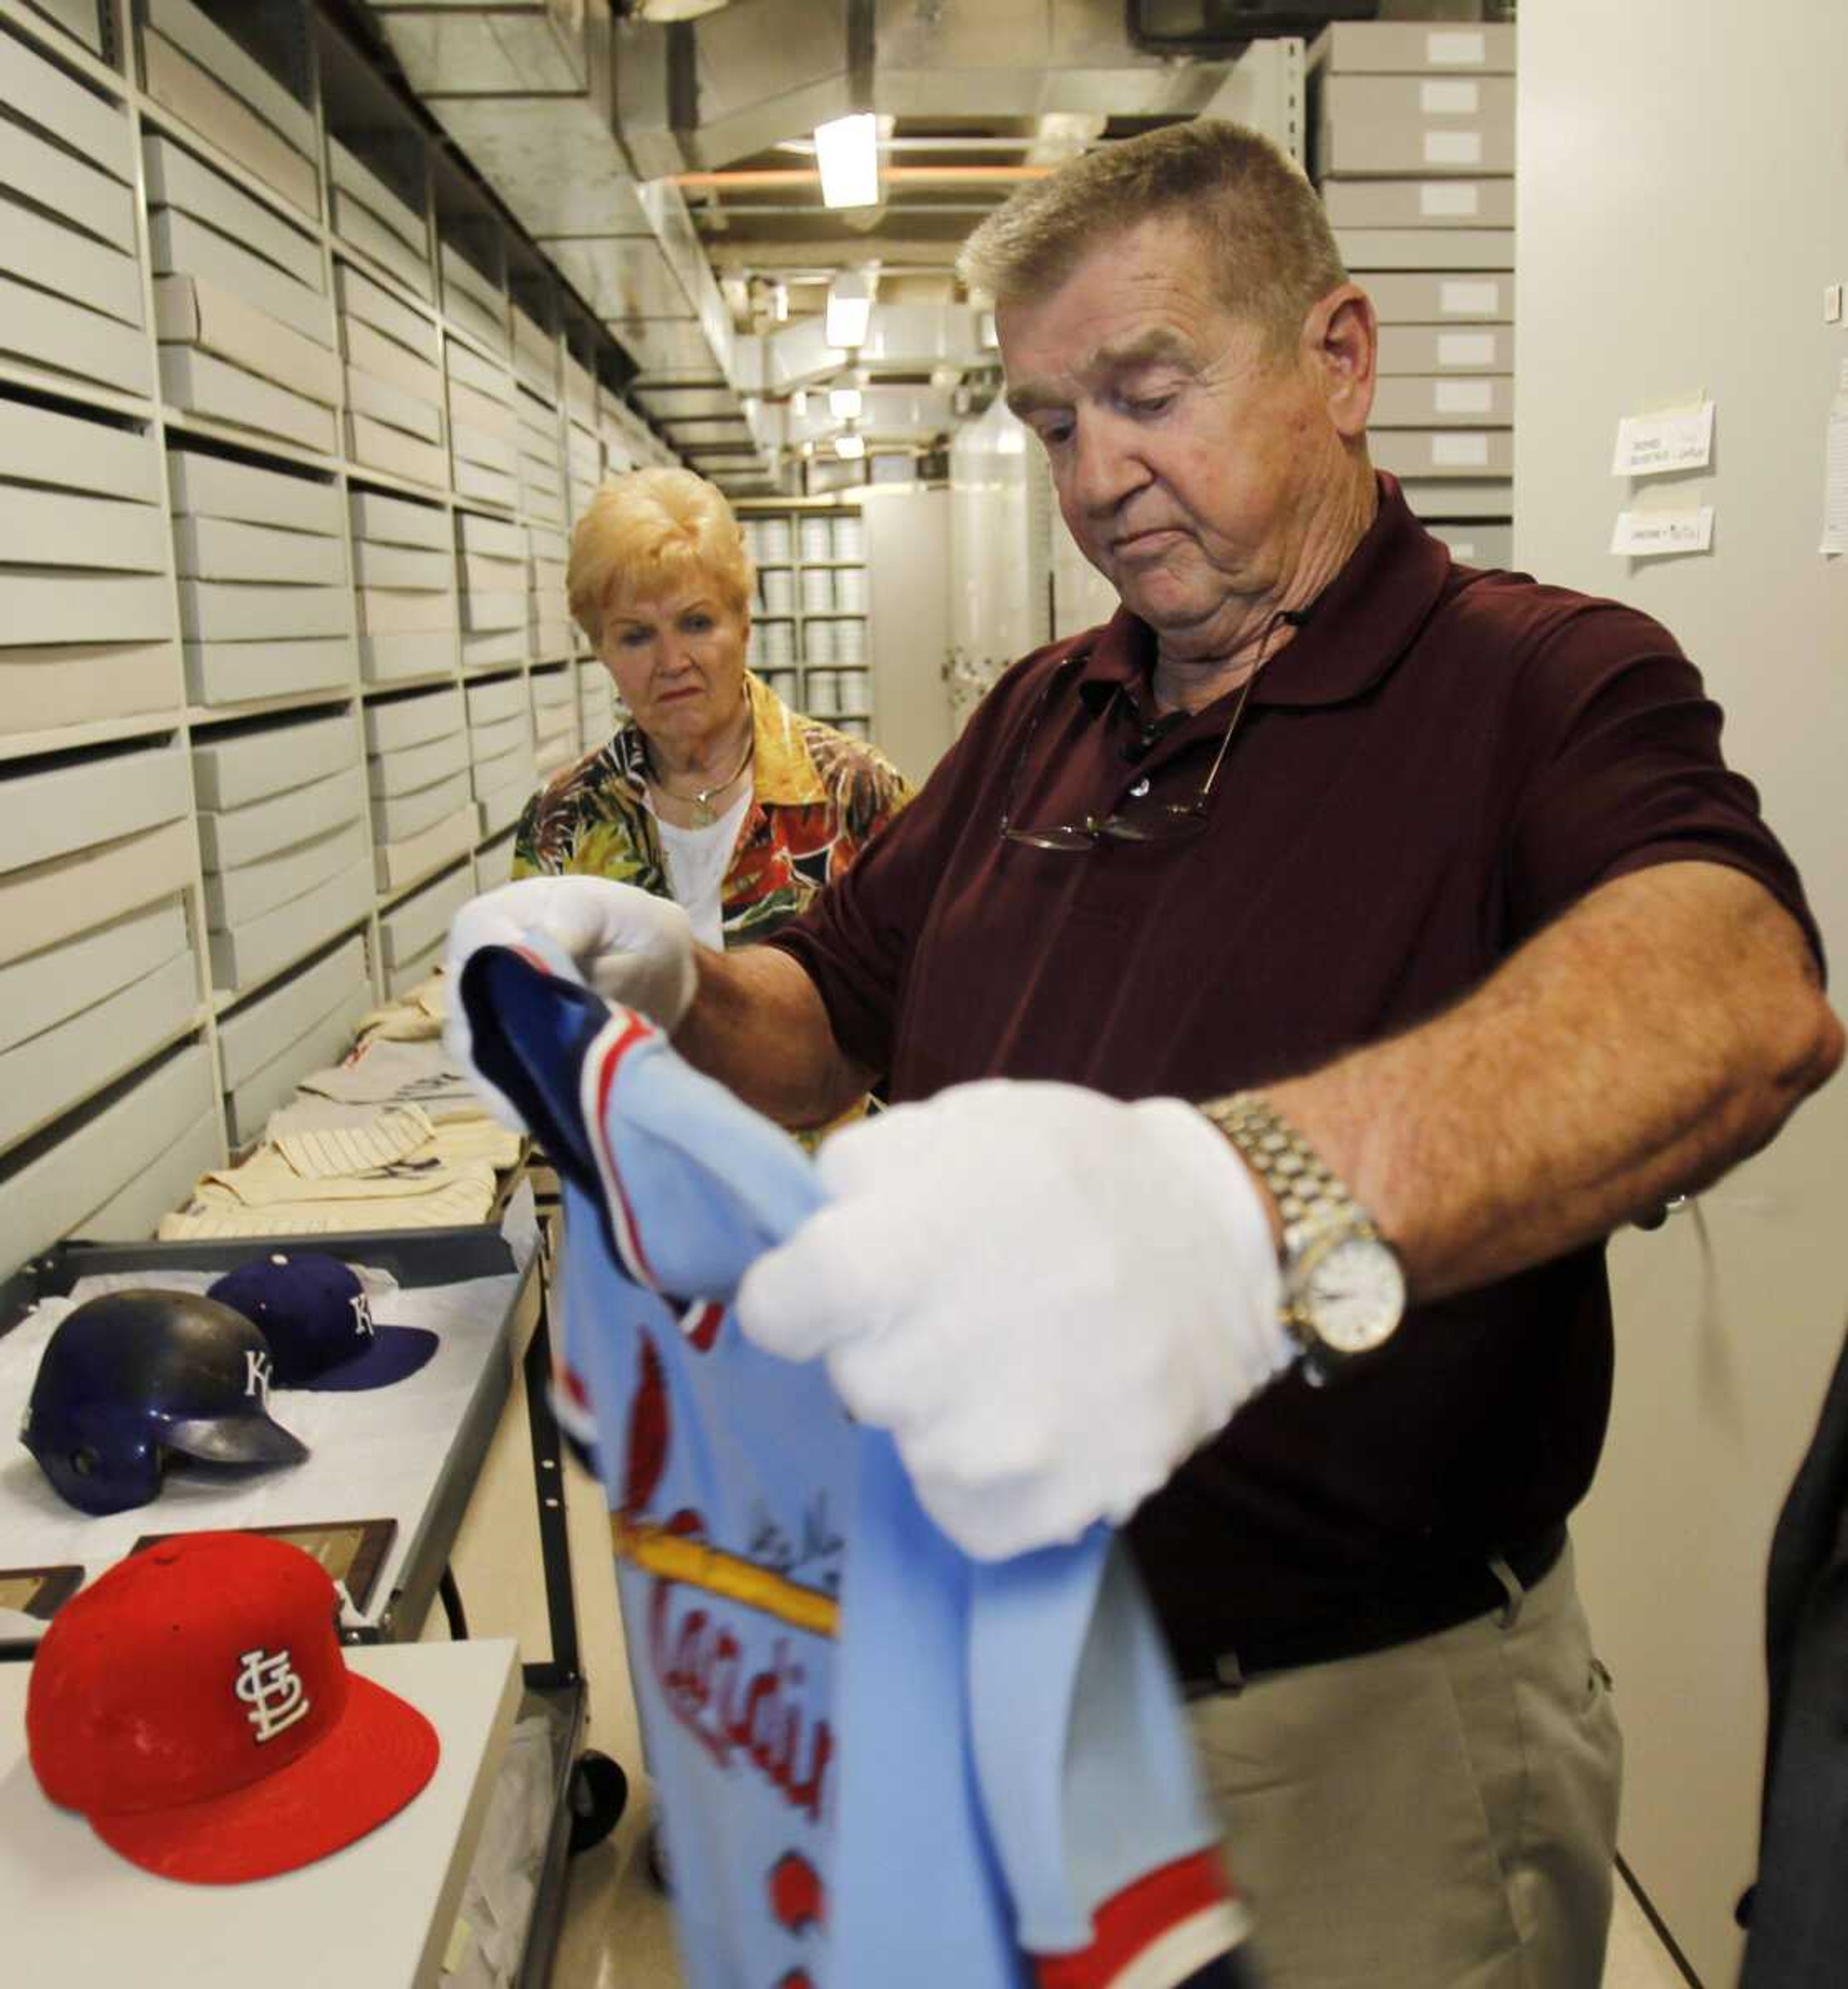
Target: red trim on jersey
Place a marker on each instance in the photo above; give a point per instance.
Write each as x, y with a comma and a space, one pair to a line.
701, 1323
1135, 1918
637, 1030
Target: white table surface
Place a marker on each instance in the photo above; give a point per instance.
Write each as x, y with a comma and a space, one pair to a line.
377, 1915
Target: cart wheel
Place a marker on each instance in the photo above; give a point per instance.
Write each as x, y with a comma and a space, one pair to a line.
599, 1795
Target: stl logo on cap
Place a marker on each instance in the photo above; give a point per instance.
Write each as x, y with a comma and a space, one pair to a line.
194, 1703
314, 1311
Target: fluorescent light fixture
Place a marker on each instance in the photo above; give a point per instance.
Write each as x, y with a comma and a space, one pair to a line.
850, 310
848, 446
844, 403
848, 151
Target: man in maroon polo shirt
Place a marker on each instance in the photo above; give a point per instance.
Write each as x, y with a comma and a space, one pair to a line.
1430, 890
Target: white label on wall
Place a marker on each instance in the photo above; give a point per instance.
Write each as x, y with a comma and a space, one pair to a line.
1449, 200
1652, 534
1448, 100
1463, 549
1652, 445
1459, 451
1452, 50
1453, 148
1464, 397
1466, 348
1474, 299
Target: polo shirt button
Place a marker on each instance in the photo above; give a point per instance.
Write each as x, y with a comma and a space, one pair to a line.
1140, 789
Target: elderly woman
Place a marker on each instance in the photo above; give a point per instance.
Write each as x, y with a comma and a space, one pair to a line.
715, 794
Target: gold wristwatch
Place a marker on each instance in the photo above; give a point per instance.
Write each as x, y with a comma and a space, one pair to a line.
1344, 1288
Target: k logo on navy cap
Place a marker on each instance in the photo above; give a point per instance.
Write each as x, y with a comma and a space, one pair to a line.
313, 1312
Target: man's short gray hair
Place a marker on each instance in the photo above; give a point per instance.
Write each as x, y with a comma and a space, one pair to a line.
1260, 223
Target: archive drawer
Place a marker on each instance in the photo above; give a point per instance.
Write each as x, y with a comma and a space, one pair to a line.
1398, 48
220, 673
380, 401
116, 793
357, 226
42, 989
377, 565
101, 1152
229, 838
65, 337
236, 897
372, 304
1369, 249
1445, 452
378, 446
1432, 348
407, 768
402, 862
50, 528
75, 453
502, 808
394, 611
197, 382
1484, 542
492, 649
494, 863
389, 208
37, 89
501, 698
188, 310
45, 902
490, 538
248, 1105
399, 521
1487, 296
1422, 203
261, 1030
1458, 497
254, 951
385, 659
234, 768
398, 722
211, 486
184, 246
84, 195
488, 740
482, 611
384, 358
226, 549
510, 765
1417, 401
134, 1211
176, 179
59, 605
415, 924
77, 1057
535, 356
397, 818
228, 612
1403, 125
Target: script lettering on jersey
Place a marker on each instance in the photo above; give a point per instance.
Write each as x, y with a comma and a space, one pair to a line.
759, 1717
268, 1684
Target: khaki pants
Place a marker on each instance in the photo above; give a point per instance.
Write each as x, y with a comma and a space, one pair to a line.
1442, 1815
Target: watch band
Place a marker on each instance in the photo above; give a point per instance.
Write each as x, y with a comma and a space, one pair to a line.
1306, 1191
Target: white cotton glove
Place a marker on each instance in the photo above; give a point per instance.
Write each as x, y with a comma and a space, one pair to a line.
1048, 1297
630, 946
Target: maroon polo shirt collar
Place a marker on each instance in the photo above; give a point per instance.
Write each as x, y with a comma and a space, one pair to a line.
1364, 621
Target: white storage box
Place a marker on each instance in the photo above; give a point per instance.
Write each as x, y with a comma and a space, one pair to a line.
482, 611
550, 687
229, 839
398, 818
395, 611
188, 27
1458, 497
63, 605
243, 955
501, 808
46, 902
85, 195
1364, 250
249, 1104
359, 227
411, 721
1422, 203
213, 487
494, 863
183, 247
1400, 48
194, 95
413, 567
494, 649
234, 898
1432, 348
76, 454
404, 769
256, 1033
232, 769
493, 538
398, 521
65, 337
194, 381
1416, 400
50, 528
373, 305
60, 259
226, 549
78, 1057
1484, 544
487, 702
49, 96
397, 864
47, 987
352, 176
226, 611
378, 446
102, 1154
385, 359
232, 673
1401, 125
481, 573
383, 402
385, 659
487, 742
1446, 452
415, 924
1485, 296
176, 179
554, 723
511, 767
485, 486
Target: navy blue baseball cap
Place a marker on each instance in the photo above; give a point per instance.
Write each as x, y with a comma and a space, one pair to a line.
313, 1312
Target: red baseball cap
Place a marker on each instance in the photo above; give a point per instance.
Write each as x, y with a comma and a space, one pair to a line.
194, 1703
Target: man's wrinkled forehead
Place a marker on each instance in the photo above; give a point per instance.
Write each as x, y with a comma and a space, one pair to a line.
1159, 345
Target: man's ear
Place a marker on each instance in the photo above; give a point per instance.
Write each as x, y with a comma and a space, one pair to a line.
1341, 345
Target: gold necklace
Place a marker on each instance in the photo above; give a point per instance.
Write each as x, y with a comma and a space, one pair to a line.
704, 813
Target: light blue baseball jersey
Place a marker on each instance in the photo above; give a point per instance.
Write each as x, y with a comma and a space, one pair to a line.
879, 1762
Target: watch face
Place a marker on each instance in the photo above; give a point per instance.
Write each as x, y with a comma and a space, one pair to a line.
1355, 1294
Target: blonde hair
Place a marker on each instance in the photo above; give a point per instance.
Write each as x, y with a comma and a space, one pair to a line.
1265, 235
649, 531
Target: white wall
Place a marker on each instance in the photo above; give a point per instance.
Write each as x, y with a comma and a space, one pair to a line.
1683, 201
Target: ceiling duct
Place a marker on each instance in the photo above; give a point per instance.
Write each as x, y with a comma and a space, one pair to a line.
526, 93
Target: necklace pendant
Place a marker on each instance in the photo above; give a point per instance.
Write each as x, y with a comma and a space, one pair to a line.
704, 814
